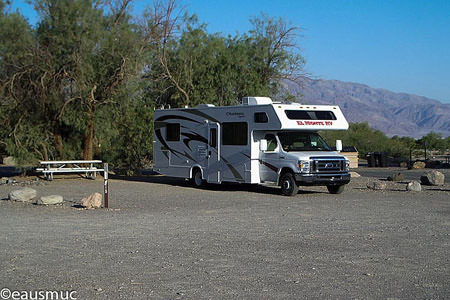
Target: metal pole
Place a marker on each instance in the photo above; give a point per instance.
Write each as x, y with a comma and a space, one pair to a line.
105, 187
425, 148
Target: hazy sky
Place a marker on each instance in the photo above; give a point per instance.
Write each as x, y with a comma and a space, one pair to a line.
400, 45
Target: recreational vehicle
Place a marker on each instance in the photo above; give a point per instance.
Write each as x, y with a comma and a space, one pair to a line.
259, 141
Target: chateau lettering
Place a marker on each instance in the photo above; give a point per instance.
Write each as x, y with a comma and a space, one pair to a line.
318, 123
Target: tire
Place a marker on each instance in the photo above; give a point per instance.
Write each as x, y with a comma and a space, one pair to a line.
288, 185
335, 189
197, 180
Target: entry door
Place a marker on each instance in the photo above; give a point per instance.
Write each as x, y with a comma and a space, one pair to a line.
213, 172
270, 160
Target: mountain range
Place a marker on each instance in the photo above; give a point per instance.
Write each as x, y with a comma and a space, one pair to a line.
392, 113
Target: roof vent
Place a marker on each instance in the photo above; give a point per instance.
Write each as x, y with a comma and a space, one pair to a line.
205, 105
256, 100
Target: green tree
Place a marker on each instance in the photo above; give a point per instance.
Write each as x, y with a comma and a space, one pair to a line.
433, 141
73, 68
197, 67
85, 80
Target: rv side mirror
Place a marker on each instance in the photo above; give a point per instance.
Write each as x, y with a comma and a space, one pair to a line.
338, 145
263, 145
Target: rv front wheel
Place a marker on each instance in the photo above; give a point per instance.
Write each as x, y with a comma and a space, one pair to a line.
288, 185
335, 189
197, 178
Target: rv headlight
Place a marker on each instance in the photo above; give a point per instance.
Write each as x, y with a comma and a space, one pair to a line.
347, 165
304, 166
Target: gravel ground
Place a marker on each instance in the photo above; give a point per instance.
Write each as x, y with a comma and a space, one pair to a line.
163, 239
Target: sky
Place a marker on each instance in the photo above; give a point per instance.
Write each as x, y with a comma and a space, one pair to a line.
399, 45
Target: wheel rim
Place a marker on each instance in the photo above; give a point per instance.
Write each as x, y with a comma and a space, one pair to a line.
198, 178
286, 185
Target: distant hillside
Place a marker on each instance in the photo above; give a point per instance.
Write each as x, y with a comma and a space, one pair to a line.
393, 113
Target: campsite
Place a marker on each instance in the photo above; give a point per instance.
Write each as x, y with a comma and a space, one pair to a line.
239, 242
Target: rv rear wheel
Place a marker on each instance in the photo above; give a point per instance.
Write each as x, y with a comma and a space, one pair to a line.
197, 180
335, 189
288, 185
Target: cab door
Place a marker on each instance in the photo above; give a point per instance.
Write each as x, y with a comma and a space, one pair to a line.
213, 169
270, 160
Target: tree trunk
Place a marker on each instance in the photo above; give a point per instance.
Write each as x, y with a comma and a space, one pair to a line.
44, 148
88, 152
59, 144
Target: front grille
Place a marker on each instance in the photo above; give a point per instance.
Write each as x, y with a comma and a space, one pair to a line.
328, 165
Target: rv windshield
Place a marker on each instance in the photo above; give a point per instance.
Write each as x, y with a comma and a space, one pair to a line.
302, 141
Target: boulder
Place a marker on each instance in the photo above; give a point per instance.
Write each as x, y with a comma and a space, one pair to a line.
23, 195
396, 177
92, 201
4, 180
50, 200
9, 161
414, 186
433, 178
376, 185
418, 165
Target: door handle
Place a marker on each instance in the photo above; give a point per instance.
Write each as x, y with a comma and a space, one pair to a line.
281, 157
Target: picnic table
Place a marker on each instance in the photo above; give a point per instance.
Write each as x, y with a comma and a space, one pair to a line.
70, 166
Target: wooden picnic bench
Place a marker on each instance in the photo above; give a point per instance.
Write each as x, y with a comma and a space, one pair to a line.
70, 166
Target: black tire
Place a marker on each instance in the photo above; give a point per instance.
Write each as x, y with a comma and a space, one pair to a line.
335, 189
197, 180
288, 185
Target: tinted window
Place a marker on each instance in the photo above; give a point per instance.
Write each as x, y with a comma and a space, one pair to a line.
302, 141
172, 132
235, 133
213, 137
261, 117
310, 115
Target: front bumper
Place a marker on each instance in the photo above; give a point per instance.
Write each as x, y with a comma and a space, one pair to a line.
322, 179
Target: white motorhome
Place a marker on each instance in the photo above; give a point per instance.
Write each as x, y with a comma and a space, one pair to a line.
256, 142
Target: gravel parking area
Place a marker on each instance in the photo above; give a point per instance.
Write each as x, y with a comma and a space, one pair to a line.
163, 239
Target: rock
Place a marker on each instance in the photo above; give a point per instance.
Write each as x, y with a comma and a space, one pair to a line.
414, 186
6, 180
396, 177
418, 165
50, 200
433, 178
433, 164
354, 175
376, 185
22, 195
403, 164
9, 161
92, 201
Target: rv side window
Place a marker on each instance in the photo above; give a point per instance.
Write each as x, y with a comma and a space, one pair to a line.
172, 132
310, 115
213, 137
235, 133
271, 142
261, 117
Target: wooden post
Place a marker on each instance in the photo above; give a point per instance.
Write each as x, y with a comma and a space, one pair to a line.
105, 187
410, 156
